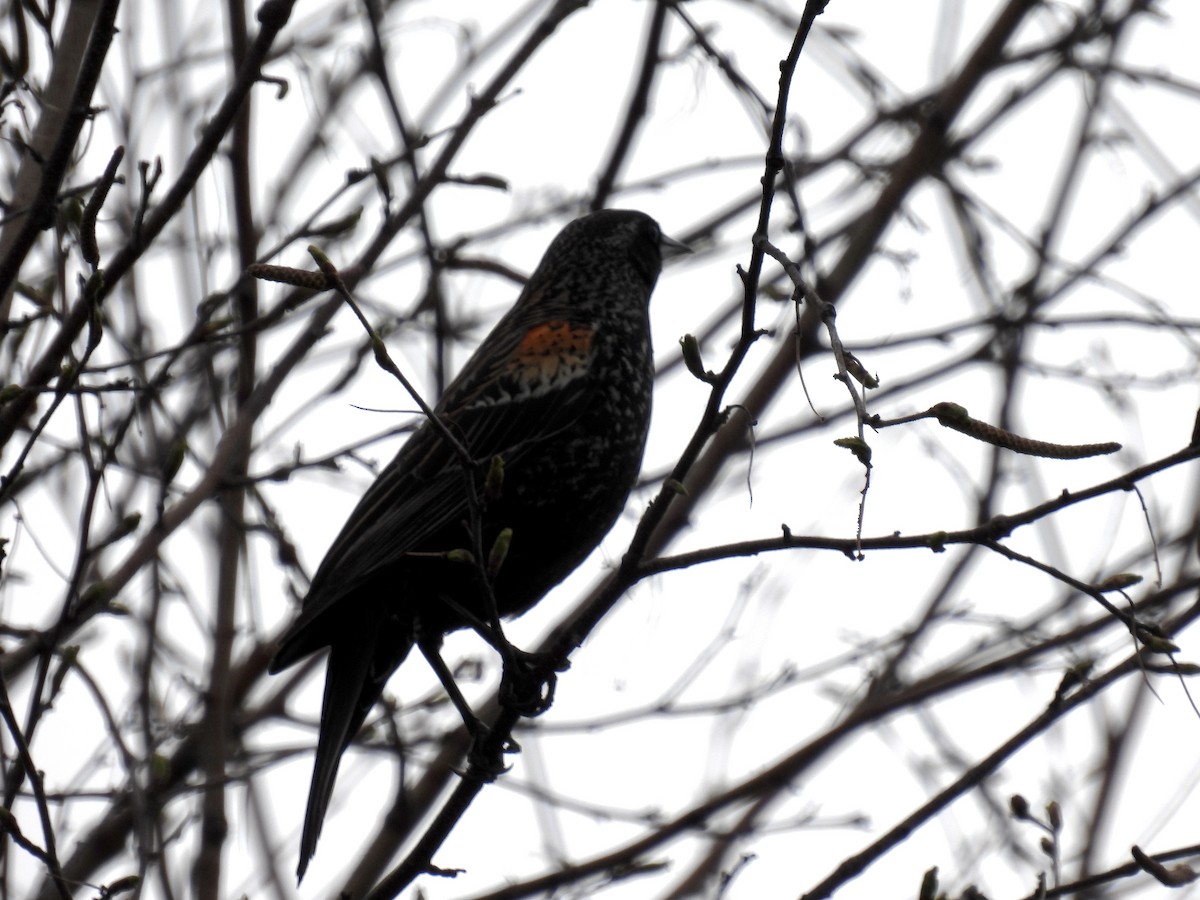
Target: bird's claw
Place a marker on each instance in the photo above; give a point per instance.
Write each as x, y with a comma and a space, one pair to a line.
528, 683
485, 759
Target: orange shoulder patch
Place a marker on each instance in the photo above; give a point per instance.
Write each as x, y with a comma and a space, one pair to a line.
555, 338
550, 355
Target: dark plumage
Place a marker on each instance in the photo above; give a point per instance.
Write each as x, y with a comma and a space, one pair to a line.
560, 390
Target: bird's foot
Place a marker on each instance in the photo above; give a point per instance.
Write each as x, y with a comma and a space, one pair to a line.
528, 682
485, 759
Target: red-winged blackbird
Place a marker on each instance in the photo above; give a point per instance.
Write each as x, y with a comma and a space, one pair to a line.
560, 392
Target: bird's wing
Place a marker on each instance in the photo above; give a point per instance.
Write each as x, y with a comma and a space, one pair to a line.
532, 387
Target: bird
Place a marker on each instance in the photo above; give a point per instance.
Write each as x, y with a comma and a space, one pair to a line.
534, 446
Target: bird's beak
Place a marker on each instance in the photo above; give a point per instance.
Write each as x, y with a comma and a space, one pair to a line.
669, 247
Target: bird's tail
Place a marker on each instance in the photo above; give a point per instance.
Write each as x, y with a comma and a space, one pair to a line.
355, 675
